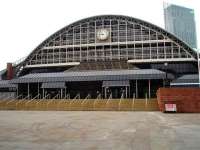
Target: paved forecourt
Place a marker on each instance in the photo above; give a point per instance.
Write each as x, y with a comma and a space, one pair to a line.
97, 130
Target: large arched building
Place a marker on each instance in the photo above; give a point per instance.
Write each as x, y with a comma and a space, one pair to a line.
107, 55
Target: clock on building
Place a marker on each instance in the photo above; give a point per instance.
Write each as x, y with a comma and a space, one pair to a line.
102, 34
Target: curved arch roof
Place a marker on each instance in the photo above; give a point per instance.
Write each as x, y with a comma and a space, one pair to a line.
117, 17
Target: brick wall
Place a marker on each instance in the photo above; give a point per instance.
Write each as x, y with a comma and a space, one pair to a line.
186, 99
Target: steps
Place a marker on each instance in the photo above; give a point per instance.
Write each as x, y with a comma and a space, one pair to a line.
81, 105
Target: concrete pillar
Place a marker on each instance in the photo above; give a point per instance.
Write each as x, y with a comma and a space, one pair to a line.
126, 91
136, 89
17, 90
38, 89
65, 93
149, 84
61, 93
43, 93
105, 90
28, 91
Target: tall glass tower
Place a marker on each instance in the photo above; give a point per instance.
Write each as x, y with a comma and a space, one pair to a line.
181, 22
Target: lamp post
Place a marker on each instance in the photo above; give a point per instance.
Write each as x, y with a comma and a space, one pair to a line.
165, 65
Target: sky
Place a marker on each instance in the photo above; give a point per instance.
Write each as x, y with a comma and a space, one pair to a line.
24, 24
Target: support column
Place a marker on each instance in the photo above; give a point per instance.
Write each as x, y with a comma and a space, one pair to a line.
126, 91
149, 83
105, 94
65, 93
17, 91
136, 89
43, 93
38, 90
61, 93
28, 90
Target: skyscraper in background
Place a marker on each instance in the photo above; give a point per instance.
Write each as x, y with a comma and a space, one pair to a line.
181, 22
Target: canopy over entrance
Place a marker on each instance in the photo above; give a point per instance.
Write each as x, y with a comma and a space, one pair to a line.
108, 75
115, 83
54, 85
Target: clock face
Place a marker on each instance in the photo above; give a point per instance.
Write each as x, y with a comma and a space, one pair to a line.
102, 34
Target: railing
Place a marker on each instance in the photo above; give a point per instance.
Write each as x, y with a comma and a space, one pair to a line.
87, 97
67, 96
74, 99
122, 97
76, 103
110, 97
57, 96
99, 96
19, 96
36, 97
33, 99
133, 104
46, 97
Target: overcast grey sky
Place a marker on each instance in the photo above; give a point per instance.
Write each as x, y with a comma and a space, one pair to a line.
24, 24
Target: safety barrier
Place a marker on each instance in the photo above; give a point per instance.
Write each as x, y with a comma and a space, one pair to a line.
78, 104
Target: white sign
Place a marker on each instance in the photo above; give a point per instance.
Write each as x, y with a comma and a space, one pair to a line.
170, 107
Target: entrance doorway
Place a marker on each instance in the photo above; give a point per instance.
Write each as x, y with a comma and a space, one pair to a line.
116, 89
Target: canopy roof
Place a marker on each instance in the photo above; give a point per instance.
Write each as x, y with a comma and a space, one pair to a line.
6, 84
186, 80
115, 83
139, 74
53, 85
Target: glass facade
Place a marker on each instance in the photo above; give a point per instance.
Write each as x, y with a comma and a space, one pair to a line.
181, 22
108, 38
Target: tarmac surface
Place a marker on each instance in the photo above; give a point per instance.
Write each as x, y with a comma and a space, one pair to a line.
98, 130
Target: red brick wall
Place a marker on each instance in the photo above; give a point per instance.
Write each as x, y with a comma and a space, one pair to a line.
186, 99
9, 71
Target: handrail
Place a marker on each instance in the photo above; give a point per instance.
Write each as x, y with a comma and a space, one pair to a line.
10, 101
110, 97
99, 96
77, 96
19, 96
68, 96
37, 96
46, 97
60, 101
13, 100
146, 100
42, 99
3, 96
49, 101
21, 101
122, 97
7, 98
26, 97
86, 98
53, 99
56, 97
133, 104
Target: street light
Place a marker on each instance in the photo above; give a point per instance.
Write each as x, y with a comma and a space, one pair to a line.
165, 65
